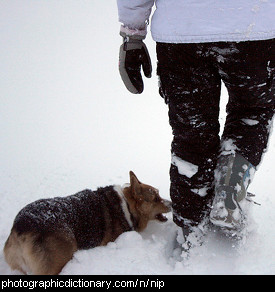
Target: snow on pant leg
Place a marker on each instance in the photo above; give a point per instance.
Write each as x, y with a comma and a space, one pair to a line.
191, 88
248, 71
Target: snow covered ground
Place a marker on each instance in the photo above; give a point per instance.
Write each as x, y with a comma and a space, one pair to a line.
67, 123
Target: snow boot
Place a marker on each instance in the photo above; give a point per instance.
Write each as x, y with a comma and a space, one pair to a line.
233, 176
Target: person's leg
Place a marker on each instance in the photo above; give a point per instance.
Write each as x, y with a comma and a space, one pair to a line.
191, 88
248, 73
249, 78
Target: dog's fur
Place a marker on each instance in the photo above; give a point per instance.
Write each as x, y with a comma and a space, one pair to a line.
47, 232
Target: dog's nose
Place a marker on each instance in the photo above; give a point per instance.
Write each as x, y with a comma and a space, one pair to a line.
168, 204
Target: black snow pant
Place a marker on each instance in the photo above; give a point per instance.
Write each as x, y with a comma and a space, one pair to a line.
190, 78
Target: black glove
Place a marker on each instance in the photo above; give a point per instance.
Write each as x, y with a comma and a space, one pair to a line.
134, 54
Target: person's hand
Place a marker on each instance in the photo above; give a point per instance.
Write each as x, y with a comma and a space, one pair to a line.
132, 56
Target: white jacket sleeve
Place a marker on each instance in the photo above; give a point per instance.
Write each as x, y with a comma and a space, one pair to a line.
134, 15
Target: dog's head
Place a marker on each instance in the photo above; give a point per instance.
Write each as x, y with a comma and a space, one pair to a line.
145, 202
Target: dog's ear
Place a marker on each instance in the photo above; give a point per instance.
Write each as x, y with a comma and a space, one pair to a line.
135, 184
133, 176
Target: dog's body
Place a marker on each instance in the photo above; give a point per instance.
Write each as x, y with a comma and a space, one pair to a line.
47, 232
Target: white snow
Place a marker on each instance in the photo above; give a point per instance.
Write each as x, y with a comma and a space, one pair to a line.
184, 167
68, 123
250, 122
201, 192
228, 147
249, 178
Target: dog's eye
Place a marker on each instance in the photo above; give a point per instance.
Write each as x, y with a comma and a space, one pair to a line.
157, 199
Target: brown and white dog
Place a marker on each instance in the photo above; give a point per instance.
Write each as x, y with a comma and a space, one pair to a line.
47, 232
